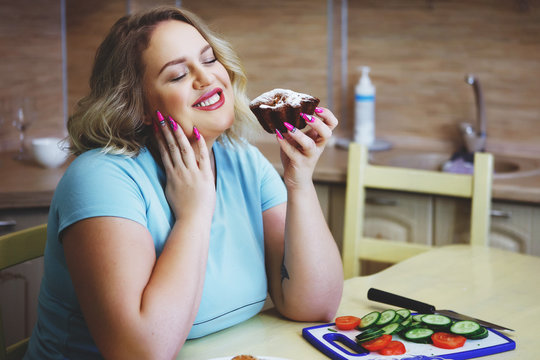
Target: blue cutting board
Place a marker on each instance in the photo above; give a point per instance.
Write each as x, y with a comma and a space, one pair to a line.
341, 345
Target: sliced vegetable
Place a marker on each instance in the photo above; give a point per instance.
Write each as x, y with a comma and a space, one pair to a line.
369, 319
386, 318
408, 321
369, 334
435, 321
482, 335
446, 340
404, 313
418, 317
392, 328
347, 322
419, 335
393, 348
378, 343
466, 328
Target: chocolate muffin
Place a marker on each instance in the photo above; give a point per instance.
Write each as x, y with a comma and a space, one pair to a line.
279, 105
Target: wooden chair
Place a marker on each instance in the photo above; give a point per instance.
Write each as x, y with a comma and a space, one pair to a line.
15, 248
362, 175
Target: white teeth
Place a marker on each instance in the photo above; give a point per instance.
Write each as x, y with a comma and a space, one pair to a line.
210, 101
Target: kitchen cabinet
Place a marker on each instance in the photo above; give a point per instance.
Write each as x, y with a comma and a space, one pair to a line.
512, 224
19, 285
432, 220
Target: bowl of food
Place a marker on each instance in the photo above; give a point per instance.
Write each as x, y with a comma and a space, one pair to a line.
49, 152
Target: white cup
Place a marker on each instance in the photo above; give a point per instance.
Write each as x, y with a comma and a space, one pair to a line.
49, 152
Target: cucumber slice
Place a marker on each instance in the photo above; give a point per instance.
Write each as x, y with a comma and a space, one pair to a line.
369, 319
482, 335
404, 313
418, 317
392, 328
386, 318
419, 335
369, 334
407, 322
435, 321
466, 328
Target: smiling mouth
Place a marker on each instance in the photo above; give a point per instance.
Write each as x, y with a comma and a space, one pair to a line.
211, 100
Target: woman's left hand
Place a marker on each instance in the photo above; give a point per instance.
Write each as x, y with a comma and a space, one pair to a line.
300, 150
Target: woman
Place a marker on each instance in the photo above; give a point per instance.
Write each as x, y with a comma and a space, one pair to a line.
167, 225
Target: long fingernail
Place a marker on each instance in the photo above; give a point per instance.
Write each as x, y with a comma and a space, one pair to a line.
308, 118
173, 123
160, 118
289, 127
278, 134
197, 133
319, 110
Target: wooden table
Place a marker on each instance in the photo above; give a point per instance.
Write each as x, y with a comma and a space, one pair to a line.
490, 284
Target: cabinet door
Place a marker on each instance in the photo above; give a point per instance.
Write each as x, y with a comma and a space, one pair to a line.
511, 224
22, 218
19, 285
398, 216
535, 240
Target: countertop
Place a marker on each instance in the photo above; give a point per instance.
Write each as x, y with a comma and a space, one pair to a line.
25, 184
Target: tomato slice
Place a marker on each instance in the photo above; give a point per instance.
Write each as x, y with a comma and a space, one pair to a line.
347, 322
378, 343
393, 348
447, 341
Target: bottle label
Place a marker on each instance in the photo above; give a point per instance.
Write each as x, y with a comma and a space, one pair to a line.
359, 97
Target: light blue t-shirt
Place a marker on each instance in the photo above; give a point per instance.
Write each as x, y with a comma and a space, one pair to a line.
97, 184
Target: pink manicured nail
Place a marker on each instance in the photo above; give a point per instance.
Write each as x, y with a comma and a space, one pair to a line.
173, 123
197, 133
319, 110
308, 118
160, 118
289, 127
278, 134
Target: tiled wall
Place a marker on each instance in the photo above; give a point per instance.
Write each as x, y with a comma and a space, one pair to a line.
419, 51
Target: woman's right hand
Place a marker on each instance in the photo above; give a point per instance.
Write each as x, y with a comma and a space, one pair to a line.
190, 181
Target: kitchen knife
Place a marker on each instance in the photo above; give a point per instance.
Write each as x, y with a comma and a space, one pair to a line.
423, 308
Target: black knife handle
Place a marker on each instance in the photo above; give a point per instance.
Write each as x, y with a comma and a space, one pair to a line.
399, 301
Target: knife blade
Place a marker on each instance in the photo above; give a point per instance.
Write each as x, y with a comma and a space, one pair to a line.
423, 308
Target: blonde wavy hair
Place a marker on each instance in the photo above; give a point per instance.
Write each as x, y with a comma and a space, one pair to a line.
111, 116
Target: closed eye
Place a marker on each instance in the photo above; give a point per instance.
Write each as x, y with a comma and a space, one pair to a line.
211, 61
180, 77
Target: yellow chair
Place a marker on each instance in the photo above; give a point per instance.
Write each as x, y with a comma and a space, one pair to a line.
362, 175
15, 248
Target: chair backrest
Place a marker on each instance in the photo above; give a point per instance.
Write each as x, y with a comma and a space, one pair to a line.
362, 175
15, 248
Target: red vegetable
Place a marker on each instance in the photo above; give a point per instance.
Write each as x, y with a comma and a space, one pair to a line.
447, 341
393, 348
347, 322
378, 343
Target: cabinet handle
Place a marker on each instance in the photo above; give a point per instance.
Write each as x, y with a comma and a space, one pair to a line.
381, 201
6, 223
502, 214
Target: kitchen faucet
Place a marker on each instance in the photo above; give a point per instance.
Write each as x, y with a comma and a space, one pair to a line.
475, 138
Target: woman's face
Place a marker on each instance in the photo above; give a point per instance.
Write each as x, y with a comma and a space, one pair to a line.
184, 80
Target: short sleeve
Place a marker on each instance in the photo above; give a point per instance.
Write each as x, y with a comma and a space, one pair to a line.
273, 191
97, 184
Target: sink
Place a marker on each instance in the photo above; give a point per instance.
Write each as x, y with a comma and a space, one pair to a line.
504, 166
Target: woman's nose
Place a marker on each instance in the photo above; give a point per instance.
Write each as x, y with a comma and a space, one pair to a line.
202, 77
